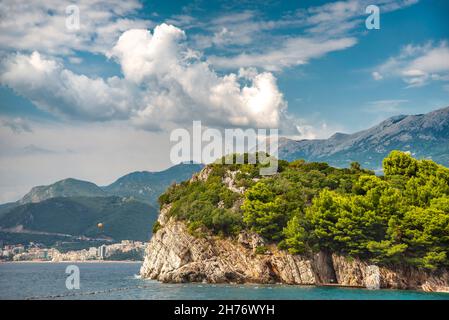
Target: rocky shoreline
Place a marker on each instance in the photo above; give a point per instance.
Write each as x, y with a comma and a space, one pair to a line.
174, 255
70, 262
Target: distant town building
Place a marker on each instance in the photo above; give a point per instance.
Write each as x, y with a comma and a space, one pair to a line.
102, 251
38, 252
18, 249
44, 254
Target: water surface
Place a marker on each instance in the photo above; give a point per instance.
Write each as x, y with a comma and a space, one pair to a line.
119, 281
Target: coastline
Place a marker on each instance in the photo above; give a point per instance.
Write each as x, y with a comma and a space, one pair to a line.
74, 261
309, 289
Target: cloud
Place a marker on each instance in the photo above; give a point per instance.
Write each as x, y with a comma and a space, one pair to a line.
97, 152
164, 85
292, 52
75, 60
249, 27
41, 25
385, 106
341, 17
166, 82
102, 22
418, 65
181, 87
57, 90
17, 125
377, 76
33, 149
234, 30
317, 130
268, 44
184, 21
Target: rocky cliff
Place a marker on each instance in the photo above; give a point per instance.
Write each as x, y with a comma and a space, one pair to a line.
174, 255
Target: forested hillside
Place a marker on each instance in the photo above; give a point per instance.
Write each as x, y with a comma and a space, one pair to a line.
399, 218
122, 219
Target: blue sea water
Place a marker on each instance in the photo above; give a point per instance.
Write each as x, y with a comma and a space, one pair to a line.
119, 281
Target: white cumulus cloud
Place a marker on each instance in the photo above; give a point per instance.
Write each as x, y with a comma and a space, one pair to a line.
164, 85
57, 90
180, 87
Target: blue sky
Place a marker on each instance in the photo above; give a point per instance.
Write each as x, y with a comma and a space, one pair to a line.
95, 102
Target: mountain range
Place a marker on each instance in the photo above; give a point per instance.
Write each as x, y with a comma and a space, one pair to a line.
121, 218
147, 186
65, 188
141, 185
70, 209
423, 135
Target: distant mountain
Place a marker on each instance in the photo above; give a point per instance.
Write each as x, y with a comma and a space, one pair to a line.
147, 186
424, 135
71, 208
64, 188
141, 185
79, 216
5, 207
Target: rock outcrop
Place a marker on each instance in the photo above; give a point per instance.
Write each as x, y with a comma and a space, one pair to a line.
354, 272
174, 255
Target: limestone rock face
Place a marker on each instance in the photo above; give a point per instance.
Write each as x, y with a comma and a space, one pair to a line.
202, 175
174, 255
229, 181
354, 272
372, 278
163, 215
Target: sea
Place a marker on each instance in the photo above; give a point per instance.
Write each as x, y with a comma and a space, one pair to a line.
117, 281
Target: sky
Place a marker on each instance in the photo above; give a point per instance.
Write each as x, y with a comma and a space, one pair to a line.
95, 98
